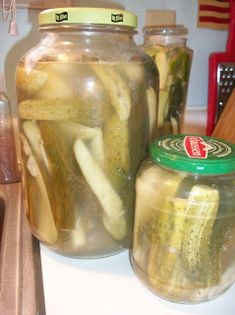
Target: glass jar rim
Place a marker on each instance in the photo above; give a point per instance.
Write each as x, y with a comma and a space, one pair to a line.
87, 15
88, 28
165, 30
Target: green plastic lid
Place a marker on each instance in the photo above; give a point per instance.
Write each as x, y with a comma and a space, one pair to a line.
84, 15
194, 154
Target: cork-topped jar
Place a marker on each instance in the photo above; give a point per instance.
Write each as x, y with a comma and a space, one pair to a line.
165, 41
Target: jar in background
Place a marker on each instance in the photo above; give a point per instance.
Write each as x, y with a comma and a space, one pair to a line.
184, 230
9, 168
87, 103
165, 42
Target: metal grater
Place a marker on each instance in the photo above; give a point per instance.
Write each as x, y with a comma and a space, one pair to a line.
225, 83
221, 75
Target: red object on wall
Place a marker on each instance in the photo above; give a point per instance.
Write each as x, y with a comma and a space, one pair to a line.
213, 14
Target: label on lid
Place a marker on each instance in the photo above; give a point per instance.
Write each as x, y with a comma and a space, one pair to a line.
117, 18
60, 17
193, 153
195, 147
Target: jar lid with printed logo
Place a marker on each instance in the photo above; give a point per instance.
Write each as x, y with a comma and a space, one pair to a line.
87, 15
194, 154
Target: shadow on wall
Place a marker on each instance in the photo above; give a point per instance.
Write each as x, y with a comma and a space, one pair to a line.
15, 54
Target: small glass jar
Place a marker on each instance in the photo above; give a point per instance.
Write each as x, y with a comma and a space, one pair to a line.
184, 230
9, 168
87, 99
165, 42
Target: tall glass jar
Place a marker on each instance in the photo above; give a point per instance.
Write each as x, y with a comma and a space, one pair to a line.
87, 106
184, 231
165, 42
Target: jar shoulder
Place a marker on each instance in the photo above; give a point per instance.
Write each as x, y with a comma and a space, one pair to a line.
80, 47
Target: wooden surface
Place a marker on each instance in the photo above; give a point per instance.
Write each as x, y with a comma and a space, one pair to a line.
225, 127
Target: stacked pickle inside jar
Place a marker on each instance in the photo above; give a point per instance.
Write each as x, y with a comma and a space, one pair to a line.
85, 127
173, 64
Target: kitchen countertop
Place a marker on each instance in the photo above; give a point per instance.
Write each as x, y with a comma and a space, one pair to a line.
21, 289
108, 286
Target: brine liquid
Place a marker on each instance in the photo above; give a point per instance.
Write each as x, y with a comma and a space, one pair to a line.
84, 131
174, 65
184, 234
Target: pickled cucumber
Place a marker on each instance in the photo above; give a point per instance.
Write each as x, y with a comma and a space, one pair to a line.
162, 61
134, 72
152, 109
117, 89
117, 155
49, 109
165, 273
202, 207
55, 87
71, 90
114, 213
146, 214
177, 240
71, 131
165, 226
30, 82
180, 65
63, 169
173, 64
39, 212
33, 135
85, 122
163, 107
78, 219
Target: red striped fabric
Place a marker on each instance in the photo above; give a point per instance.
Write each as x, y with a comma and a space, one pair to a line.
213, 14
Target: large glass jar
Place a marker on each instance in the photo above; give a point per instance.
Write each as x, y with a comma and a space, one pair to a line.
165, 42
184, 230
87, 107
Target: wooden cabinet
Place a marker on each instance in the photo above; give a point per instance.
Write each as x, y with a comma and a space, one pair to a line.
42, 4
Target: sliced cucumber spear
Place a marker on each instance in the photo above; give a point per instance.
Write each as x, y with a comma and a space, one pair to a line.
152, 109
95, 135
33, 134
49, 109
41, 214
114, 214
162, 62
117, 155
171, 255
30, 81
117, 89
202, 206
165, 222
